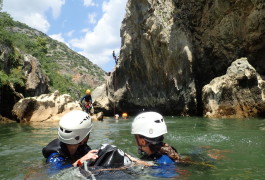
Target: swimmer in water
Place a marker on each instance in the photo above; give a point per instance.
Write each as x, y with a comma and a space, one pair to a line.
70, 148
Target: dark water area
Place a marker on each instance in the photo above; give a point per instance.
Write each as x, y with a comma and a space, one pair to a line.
221, 148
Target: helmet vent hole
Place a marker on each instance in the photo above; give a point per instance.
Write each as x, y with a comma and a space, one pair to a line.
61, 128
86, 118
66, 131
157, 121
162, 120
77, 138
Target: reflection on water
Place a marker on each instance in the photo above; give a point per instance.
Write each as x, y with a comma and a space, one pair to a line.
220, 148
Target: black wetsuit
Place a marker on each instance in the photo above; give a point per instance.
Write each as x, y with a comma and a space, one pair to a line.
58, 156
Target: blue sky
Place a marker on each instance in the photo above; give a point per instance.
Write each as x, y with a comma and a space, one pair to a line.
89, 27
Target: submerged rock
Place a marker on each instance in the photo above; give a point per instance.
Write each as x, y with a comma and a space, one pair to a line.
237, 94
5, 120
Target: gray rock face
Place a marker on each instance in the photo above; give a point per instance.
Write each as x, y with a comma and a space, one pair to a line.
154, 71
100, 98
37, 82
172, 48
6, 62
8, 95
237, 94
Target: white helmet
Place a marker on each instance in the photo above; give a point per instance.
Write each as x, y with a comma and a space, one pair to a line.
74, 127
149, 124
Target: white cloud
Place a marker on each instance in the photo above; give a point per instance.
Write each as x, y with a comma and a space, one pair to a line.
32, 12
92, 18
70, 33
59, 38
85, 30
36, 20
89, 3
98, 44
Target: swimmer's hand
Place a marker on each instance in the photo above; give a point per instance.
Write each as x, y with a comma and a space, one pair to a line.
91, 155
138, 161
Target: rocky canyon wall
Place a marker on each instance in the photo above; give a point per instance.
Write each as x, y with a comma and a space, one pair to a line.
172, 48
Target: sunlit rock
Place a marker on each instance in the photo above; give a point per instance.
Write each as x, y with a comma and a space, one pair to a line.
37, 82
237, 94
98, 116
100, 98
155, 70
171, 49
47, 107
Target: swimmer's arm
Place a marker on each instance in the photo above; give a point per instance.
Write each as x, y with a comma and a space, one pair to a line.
138, 161
91, 155
57, 162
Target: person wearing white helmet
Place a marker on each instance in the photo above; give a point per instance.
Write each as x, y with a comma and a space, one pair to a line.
70, 148
148, 129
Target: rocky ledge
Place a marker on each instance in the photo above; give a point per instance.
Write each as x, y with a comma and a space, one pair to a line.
47, 108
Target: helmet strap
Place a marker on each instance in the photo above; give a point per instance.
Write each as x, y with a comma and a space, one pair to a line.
140, 150
141, 143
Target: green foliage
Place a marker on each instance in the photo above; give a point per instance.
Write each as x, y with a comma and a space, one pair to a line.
5, 20
5, 37
41, 43
17, 77
53, 56
3, 78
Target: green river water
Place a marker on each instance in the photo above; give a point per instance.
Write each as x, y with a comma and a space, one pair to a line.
235, 148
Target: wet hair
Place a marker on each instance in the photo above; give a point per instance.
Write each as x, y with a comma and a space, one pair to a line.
156, 143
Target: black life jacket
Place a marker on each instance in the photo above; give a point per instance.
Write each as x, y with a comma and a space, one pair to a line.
88, 98
56, 146
110, 156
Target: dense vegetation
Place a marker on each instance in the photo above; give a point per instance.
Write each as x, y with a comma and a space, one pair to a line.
56, 59
11, 72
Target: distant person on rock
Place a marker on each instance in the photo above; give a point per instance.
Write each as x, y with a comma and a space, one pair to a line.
87, 106
70, 148
115, 57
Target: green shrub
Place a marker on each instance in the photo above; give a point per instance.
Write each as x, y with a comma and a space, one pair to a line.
17, 77
5, 20
3, 78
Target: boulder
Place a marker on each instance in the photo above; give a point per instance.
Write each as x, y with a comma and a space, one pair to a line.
101, 102
47, 107
98, 116
239, 93
5, 120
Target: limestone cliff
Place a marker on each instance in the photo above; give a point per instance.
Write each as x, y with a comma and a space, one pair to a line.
172, 48
237, 94
36, 81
